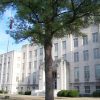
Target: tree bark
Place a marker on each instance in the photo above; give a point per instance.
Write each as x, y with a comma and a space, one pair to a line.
49, 93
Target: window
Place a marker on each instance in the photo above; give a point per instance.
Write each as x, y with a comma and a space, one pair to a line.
77, 88
0, 67
98, 88
8, 59
28, 88
41, 61
30, 64
95, 37
56, 58
75, 42
22, 77
21, 88
5, 59
76, 57
56, 47
97, 71
76, 73
7, 77
35, 52
41, 51
85, 40
17, 79
87, 89
86, 73
85, 55
1, 59
29, 78
55, 79
23, 66
30, 54
24, 55
34, 77
64, 45
64, 56
96, 52
35, 64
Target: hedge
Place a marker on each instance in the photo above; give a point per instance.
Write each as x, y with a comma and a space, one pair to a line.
68, 93
96, 94
21, 93
62, 93
28, 93
73, 93
2, 91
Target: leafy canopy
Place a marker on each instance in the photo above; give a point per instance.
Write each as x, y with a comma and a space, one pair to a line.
41, 20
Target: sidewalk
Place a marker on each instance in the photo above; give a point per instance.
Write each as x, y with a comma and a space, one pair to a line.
25, 97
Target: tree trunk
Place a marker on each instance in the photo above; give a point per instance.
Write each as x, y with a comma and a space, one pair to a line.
49, 94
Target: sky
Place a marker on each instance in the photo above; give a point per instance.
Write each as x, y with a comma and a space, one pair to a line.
4, 38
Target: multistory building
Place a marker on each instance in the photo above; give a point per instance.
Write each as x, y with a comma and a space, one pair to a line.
76, 62
10, 66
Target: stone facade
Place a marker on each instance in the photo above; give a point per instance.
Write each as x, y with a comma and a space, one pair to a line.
76, 63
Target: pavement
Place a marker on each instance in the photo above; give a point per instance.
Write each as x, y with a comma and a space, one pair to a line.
25, 97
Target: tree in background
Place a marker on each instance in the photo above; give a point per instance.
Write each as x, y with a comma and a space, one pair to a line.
40, 21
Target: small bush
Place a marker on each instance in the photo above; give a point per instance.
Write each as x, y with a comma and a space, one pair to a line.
62, 93
21, 93
5, 92
1, 91
96, 94
68, 93
73, 93
28, 93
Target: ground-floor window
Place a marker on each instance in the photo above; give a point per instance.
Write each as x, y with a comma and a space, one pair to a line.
77, 88
28, 88
87, 89
97, 71
55, 79
98, 88
21, 88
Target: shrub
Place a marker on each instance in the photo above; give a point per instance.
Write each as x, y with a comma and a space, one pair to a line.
62, 93
5, 92
96, 94
68, 93
28, 93
73, 93
1, 91
21, 93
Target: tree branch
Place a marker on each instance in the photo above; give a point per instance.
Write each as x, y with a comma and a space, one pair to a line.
34, 13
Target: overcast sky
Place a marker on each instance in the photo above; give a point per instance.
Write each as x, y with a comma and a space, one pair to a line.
4, 38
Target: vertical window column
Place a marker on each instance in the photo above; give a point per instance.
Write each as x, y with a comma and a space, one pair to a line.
76, 56
76, 74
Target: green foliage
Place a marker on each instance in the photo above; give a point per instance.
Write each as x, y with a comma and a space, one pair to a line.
62, 93
5, 92
73, 93
96, 94
1, 91
21, 93
68, 93
28, 93
41, 20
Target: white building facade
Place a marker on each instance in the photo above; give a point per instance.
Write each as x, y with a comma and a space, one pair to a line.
10, 64
76, 64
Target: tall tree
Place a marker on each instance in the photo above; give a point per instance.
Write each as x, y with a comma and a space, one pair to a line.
42, 20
